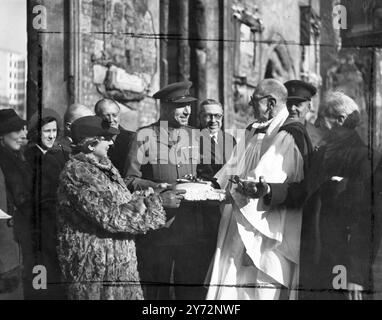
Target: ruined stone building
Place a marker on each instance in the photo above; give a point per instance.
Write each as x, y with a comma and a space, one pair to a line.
128, 49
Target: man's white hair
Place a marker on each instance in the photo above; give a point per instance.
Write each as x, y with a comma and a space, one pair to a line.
341, 104
272, 87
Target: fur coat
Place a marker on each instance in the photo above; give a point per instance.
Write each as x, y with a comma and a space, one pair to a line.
97, 221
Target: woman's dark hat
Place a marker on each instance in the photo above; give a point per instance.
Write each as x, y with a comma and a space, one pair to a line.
300, 90
177, 93
90, 126
45, 113
10, 121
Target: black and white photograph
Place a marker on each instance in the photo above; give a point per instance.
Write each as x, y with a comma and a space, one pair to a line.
208, 151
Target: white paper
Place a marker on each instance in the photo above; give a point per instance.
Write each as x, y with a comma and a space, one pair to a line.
336, 178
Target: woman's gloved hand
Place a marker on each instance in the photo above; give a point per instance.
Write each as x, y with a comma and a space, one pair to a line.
172, 198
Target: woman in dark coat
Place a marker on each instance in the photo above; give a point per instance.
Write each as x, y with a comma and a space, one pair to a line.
98, 218
10, 262
47, 161
17, 178
341, 237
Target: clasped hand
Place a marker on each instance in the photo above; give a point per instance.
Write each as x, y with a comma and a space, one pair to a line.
171, 198
250, 188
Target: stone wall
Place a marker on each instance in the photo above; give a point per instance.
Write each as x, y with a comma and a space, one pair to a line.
108, 27
276, 52
212, 51
93, 49
120, 56
48, 68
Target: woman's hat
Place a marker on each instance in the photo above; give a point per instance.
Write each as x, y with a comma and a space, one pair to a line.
90, 126
45, 113
10, 121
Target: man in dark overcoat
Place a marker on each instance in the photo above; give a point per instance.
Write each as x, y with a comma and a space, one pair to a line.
110, 111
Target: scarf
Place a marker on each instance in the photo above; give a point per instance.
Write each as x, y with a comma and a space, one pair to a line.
246, 154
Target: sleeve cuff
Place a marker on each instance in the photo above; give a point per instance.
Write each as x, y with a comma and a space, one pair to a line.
278, 193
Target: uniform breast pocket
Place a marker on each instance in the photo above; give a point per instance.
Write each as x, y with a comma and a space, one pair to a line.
163, 168
190, 158
189, 155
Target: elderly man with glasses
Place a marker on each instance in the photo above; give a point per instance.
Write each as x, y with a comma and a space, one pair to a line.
258, 245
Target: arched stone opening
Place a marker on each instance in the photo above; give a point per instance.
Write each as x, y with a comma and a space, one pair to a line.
279, 65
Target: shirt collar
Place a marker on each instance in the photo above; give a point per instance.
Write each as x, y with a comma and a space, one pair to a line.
41, 149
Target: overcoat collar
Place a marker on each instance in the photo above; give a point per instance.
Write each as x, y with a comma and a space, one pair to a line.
104, 165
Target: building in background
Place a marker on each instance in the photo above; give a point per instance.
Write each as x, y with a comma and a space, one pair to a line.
351, 61
127, 50
13, 81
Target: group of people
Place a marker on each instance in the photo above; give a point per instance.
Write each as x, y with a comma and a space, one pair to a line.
95, 204
304, 220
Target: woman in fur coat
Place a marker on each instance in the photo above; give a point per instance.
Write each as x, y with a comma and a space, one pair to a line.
98, 218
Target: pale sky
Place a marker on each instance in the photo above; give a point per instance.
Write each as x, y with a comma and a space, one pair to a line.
13, 25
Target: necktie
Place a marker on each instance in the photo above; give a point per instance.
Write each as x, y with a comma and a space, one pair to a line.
213, 147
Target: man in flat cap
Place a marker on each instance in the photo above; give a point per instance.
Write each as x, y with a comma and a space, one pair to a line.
300, 94
299, 104
164, 152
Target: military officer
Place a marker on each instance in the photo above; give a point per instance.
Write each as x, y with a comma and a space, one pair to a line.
162, 153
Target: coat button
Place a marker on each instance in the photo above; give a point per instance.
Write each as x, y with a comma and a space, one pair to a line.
178, 165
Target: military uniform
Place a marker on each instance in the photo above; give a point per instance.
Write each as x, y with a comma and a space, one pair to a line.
169, 154
162, 154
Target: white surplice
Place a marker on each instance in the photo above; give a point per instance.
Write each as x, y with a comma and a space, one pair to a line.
258, 246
